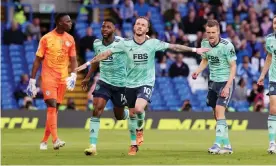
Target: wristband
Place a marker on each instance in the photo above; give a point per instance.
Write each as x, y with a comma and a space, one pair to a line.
88, 63
193, 49
32, 81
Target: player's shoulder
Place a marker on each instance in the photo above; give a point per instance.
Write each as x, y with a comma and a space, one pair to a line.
97, 41
118, 39
205, 40
128, 39
271, 36
69, 36
226, 42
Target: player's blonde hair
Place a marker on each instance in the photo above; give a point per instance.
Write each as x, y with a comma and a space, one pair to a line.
212, 23
145, 18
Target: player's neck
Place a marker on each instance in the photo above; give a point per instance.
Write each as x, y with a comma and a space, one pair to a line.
215, 43
59, 31
109, 40
139, 39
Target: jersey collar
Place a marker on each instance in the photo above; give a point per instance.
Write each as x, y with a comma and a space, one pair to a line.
108, 43
216, 44
139, 43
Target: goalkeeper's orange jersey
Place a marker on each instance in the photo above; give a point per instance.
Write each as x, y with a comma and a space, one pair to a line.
55, 49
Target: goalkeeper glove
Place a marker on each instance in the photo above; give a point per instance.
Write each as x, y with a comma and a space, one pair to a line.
71, 81
31, 89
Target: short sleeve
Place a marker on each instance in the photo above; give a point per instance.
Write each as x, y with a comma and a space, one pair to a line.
118, 48
268, 46
159, 45
231, 54
41, 47
72, 51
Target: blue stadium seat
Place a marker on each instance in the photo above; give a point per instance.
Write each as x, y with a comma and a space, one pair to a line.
15, 53
109, 106
197, 108
180, 80
81, 32
16, 59
159, 108
41, 106
81, 25
89, 55
14, 47
163, 79
8, 106
82, 18
174, 108
95, 26
127, 26
207, 109
29, 47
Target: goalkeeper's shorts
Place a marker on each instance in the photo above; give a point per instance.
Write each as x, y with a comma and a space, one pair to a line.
53, 90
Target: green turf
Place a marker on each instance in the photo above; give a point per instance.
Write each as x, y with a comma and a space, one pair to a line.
160, 147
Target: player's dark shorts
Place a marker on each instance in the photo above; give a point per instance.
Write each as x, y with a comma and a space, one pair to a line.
144, 92
114, 93
214, 94
272, 88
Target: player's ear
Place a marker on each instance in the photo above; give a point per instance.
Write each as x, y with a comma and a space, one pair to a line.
147, 30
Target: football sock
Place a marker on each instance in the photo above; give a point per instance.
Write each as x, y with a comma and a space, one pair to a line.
140, 120
220, 131
132, 126
94, 130
52, 122
226, 141
271, 124
47, 132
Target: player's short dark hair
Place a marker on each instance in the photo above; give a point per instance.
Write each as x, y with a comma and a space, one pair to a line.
212, 23
110, 20
143, 17
59, 16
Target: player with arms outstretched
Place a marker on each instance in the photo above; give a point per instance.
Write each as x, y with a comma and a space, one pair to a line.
56, 51
222, 65
140, 80
270, 64
111, 85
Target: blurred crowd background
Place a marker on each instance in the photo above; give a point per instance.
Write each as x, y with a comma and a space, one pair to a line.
243, 22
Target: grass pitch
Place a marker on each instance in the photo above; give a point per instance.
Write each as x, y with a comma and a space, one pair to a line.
160, 147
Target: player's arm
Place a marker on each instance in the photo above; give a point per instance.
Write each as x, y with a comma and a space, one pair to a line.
31, 89
233, 69
178, 47
267, 64
202, 66
85, 81
231, 57
36, 65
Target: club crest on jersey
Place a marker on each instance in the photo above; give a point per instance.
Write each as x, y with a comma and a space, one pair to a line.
271, 89
97, 87
67, 43
47, 93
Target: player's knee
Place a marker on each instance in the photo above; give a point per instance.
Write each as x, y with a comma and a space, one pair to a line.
132, 112
139, 110
272, 109
119, 116
51, 103
98, 110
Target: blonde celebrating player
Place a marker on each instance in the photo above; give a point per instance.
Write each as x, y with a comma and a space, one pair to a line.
270, 64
